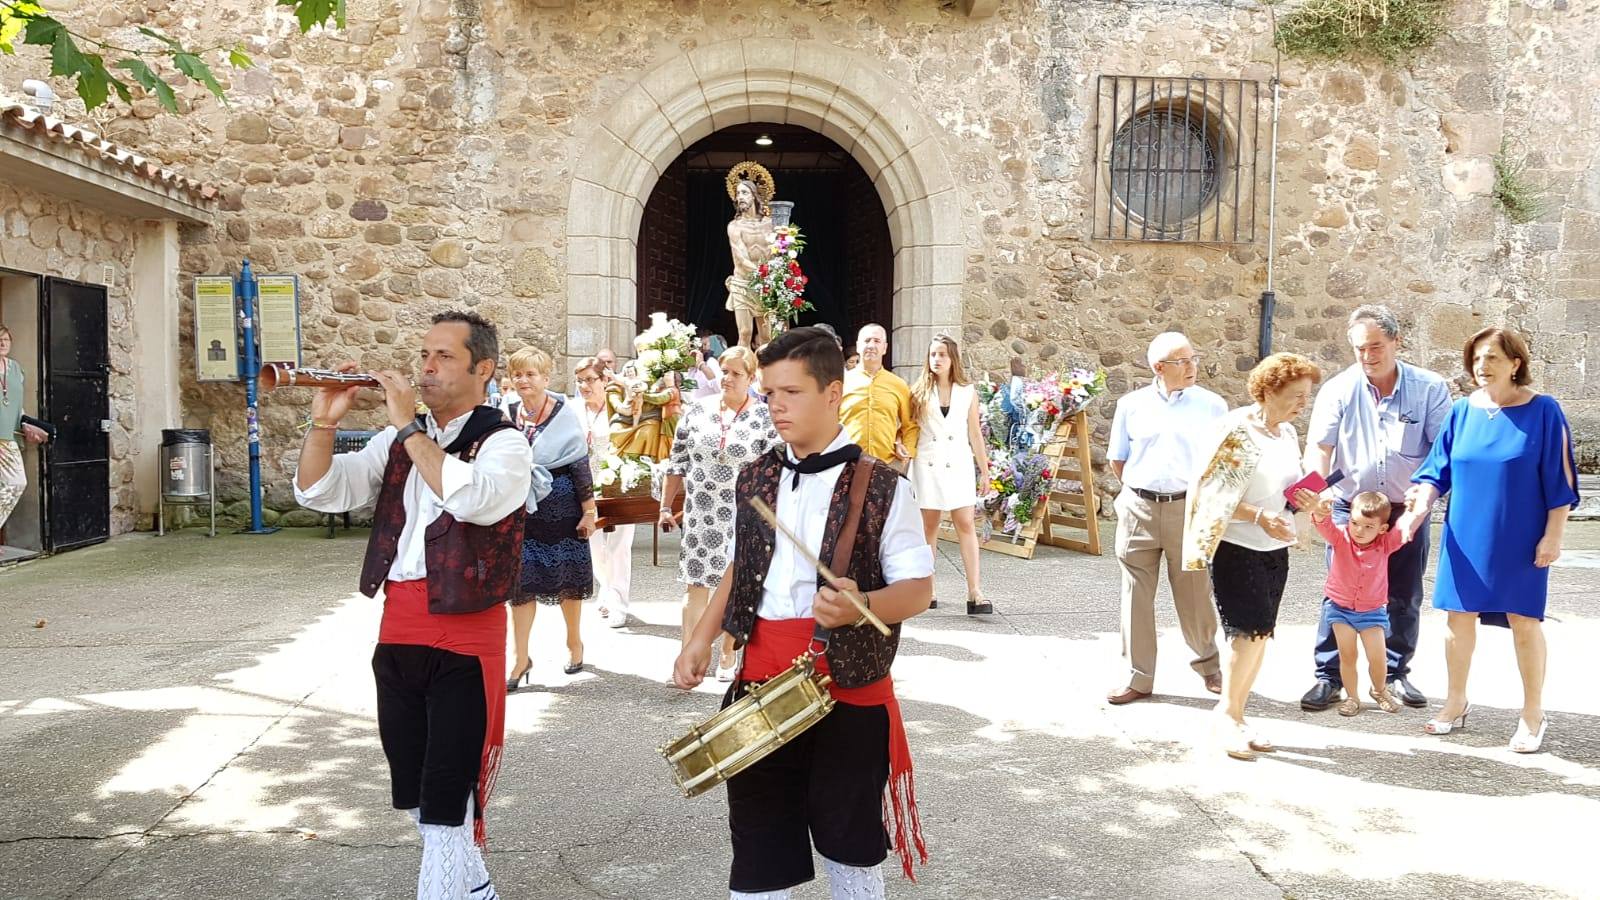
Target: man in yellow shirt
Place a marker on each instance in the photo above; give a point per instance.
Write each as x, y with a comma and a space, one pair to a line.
876, 411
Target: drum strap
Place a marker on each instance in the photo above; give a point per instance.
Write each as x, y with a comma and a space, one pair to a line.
860, 479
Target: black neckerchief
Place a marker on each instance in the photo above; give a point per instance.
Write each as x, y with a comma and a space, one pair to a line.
819, 462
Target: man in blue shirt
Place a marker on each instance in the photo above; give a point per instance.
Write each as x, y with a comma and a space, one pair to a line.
1376, 422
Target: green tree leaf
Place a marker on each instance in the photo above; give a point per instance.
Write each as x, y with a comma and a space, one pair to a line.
238, 59
65, 58
317, 12
14, 18
94, 82
172, 45
196, 68
151, 82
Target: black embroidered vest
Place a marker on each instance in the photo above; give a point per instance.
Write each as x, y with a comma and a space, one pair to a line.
857, 656
470, 567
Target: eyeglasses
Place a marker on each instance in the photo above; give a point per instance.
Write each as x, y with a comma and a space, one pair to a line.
1181, 361
590, 380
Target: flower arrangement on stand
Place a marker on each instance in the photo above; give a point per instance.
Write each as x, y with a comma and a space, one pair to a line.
779, 284
621, 476
1017, 420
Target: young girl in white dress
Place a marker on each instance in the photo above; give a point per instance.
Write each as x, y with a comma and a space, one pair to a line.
951, 467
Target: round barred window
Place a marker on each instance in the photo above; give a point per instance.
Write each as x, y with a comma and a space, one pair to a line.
1165, 163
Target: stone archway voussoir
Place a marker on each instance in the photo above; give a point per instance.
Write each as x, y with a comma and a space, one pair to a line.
638, 121
728, 102
595, 211
944, 216
769, 55
718, 61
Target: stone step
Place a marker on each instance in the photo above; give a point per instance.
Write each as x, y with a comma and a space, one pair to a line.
1589, 497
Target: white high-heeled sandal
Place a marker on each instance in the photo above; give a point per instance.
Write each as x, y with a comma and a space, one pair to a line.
1445, 726
1525, 741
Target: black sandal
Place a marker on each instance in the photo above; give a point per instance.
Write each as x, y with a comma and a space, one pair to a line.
573, 668
980, 608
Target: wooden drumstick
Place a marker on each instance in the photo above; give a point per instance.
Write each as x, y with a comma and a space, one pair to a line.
765, 511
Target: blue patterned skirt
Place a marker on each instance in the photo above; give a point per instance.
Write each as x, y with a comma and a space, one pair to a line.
556, 565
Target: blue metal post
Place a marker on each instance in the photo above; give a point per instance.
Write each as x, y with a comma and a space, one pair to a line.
251, 367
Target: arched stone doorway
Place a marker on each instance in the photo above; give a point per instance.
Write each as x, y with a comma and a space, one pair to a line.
682, 256
806, 83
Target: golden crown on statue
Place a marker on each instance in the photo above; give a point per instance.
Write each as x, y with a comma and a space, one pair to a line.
756, 174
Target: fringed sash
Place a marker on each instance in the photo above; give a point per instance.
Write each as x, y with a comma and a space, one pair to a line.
406, 620
773, 646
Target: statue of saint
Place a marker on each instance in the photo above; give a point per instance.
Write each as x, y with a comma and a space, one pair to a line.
750, 186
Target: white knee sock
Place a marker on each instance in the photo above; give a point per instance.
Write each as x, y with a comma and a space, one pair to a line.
452, 865
854, 882
764, 895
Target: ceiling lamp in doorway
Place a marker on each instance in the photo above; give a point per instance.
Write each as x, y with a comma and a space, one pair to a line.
764, 141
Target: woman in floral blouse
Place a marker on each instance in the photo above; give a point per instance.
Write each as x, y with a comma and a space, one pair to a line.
715, 439
1237, 524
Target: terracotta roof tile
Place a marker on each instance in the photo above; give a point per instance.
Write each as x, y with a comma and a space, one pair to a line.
23, 117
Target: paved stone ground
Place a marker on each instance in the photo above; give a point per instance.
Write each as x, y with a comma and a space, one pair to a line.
193, 717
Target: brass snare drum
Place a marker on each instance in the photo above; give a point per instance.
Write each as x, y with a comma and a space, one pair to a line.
751, 728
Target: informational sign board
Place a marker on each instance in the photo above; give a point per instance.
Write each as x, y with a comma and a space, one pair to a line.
216, 329
278, 318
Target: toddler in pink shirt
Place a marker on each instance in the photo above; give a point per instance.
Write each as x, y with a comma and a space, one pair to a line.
1358, 588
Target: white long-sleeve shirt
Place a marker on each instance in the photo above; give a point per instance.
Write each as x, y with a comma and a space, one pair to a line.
791, 581
482, 492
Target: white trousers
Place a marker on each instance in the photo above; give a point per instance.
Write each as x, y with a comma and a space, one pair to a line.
845, 882
452, 866
613, 567
14, 478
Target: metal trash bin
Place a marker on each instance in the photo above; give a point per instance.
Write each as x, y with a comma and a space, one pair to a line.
185, 462
188, 472
345, 441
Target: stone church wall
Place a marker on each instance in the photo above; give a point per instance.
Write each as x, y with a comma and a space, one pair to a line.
422, 159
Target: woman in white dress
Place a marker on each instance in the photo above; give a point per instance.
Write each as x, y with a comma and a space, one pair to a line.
946, 472
612, 550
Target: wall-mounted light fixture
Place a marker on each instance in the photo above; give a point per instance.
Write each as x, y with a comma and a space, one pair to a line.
764, 141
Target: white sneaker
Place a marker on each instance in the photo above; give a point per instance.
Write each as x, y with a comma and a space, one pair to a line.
617, 619
725, 675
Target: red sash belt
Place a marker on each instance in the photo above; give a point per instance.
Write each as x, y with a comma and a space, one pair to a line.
774, 644
406, 620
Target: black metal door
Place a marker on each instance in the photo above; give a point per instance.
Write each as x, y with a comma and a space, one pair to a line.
77, 477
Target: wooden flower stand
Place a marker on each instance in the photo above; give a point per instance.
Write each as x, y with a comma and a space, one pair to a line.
634, 509
1071, 437
1073, 509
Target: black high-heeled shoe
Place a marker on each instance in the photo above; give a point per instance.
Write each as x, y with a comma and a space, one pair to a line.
515, 682
979, 607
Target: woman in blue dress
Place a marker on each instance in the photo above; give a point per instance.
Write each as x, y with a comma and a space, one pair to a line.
557, 568
1505, 456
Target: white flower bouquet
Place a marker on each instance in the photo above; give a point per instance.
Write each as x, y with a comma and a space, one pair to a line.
666, 346
621, 476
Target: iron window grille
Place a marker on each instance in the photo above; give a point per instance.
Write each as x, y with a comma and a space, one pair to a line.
1175, 159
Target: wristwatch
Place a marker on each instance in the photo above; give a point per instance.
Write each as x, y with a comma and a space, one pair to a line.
406, 432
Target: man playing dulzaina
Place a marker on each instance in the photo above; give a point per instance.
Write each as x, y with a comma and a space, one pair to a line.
445, 547
836, 783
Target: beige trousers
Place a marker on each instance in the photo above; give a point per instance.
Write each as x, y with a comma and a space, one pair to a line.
13, 478
1145, 531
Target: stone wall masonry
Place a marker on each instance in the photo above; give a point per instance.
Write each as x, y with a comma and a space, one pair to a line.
424, 159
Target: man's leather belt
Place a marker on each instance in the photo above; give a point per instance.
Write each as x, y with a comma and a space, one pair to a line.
1155, 497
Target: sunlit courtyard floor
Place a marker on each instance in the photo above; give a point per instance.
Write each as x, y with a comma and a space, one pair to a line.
193, 717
